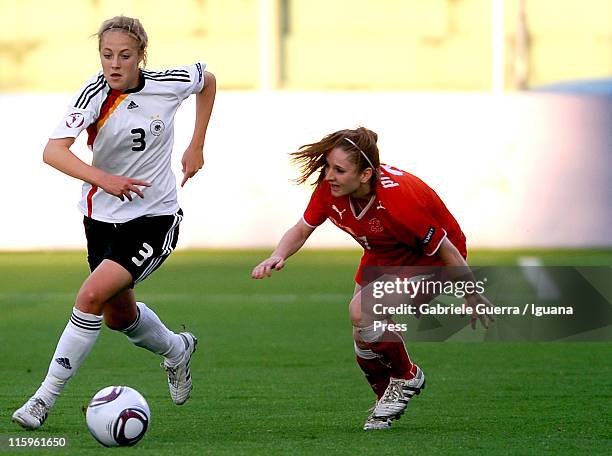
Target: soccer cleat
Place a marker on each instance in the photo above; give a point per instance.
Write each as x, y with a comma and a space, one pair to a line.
179, 376
32, 414
373, 422
393, 403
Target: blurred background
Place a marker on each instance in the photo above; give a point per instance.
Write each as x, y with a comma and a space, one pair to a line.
503, 106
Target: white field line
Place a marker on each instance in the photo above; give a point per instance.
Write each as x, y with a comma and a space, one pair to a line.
195, 296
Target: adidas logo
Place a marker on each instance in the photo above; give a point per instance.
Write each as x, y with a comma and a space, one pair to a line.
64, 362
132, 105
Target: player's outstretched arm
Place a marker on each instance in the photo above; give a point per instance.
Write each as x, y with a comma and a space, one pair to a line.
193, 158
452, 257
57, 154
291, 242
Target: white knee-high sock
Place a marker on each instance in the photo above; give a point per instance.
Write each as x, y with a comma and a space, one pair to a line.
149, 332
74, 345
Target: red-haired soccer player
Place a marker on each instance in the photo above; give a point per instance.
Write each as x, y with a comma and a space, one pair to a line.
399, 221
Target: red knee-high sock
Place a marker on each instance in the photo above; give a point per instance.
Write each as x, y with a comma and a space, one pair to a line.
393, 351
376, 373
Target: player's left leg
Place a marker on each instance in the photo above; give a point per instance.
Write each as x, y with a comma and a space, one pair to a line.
142, 326
145, 329
142, 245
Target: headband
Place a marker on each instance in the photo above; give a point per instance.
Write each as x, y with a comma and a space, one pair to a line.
362, 153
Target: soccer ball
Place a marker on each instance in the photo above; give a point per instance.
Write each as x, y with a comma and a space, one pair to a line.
118, 416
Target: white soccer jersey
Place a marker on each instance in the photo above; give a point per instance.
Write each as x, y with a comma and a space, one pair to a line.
131, 134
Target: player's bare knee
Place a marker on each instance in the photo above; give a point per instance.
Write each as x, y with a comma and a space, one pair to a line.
356, 312
355, 315
359, 318
89, 300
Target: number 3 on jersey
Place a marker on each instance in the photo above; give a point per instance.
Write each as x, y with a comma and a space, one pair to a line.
146, 253
139, 140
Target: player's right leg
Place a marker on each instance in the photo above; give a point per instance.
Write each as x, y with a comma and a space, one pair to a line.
377, 375
76, 341
405, 378
375, 371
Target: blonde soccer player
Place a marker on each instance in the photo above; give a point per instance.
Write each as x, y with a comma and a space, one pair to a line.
129, 203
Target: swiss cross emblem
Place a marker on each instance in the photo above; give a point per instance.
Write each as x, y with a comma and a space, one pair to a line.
376, 226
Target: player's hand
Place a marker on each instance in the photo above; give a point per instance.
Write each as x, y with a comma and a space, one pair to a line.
122, 187
472, 301
192, 161
264, 269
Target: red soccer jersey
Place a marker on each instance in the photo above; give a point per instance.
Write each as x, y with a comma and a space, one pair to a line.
403, 224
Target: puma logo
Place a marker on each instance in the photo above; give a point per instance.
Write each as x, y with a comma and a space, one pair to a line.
338, 210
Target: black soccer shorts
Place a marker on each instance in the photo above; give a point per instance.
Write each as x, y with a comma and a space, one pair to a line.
140, 245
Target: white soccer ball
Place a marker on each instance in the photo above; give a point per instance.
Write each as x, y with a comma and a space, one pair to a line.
118, 416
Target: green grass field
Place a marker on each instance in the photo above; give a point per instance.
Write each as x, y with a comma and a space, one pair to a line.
275, 373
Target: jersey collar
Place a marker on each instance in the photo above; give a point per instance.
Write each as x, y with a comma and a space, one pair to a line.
364, 210
139, 87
